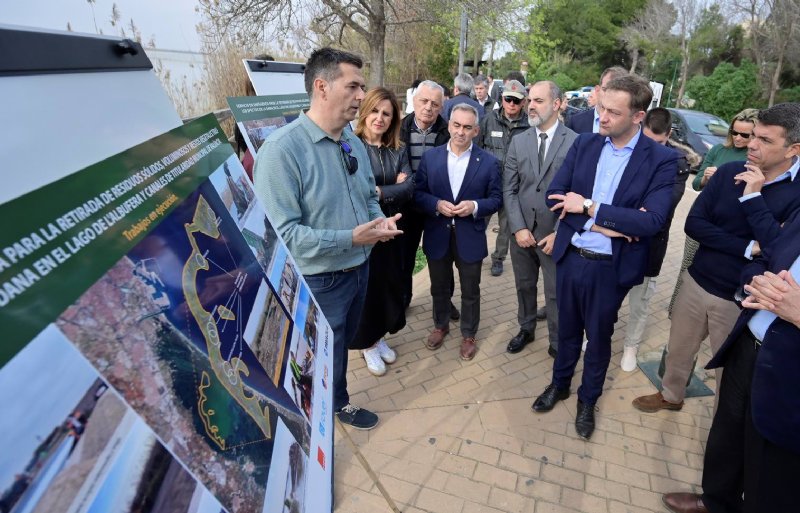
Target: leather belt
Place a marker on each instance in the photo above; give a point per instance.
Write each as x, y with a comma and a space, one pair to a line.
589, 255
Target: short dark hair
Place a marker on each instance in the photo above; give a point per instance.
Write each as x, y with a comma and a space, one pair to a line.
658, 120
614, 71
637, 87
515, 75
324, 64
786, 115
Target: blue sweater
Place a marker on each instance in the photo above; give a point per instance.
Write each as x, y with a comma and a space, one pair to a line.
724, 226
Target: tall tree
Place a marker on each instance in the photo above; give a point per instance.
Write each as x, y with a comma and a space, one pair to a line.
649, 31
688, 17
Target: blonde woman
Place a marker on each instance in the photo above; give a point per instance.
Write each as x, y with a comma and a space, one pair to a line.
378, 127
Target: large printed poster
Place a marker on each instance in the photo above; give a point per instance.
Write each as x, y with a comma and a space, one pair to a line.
161, 351
258, 116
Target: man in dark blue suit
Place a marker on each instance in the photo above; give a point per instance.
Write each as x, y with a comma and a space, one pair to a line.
588, 121
458, 187
752, 455
614, 193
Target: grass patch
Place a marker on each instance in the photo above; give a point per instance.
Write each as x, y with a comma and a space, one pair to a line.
420, 262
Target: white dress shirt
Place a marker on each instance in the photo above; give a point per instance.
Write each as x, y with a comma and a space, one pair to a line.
457, 169
550, 133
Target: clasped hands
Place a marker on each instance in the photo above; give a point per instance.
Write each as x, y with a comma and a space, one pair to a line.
381, 229
463, 209
777, 293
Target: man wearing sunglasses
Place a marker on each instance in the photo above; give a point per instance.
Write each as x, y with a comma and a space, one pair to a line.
314, 178
498, 127
738, 213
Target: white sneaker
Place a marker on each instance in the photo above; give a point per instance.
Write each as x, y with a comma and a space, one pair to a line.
585, 343
374, 361
387, 353
628, 362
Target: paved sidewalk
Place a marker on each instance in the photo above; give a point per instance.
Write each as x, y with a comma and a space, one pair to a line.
460, 437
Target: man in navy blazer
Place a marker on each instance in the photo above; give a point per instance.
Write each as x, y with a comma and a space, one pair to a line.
458, 187
613, 193
752, 455
588, 121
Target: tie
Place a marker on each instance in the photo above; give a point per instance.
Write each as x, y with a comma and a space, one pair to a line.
542, 145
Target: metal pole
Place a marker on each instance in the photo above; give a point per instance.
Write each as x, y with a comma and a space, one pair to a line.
462, 41
671, 84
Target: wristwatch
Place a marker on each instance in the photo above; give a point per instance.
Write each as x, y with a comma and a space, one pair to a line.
587, 204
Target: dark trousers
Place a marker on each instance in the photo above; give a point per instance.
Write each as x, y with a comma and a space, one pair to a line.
526, 263
469, 275
738, 459
412, 225
588, 299
501, 243
340, 296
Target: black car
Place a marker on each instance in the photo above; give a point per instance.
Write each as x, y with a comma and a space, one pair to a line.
699, 130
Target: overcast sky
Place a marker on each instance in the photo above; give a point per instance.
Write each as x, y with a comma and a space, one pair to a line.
171, 22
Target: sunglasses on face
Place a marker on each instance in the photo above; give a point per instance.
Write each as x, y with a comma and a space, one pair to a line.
511, 99
350, 162
743, 135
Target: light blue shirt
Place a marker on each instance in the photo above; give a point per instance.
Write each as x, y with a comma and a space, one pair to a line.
761, 321
610, 167
596, 122
790, 173
312, 201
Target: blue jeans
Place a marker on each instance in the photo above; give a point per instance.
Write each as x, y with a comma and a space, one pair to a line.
340, 296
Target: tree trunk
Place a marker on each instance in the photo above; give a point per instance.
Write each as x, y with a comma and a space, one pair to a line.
477, 58
775, 82
377, 44
490, 67
684, 70
634, 59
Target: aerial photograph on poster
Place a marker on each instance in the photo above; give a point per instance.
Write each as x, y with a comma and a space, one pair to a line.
166, 327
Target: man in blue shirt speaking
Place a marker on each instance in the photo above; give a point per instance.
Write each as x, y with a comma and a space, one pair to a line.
314, 178
613, 193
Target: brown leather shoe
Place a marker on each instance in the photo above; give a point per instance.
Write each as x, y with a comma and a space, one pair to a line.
655, 402
468, 349
436, 338
684, 502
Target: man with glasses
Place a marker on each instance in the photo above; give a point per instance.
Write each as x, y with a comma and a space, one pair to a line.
588, 121
498, 127
738, 213
313, 177
457, 187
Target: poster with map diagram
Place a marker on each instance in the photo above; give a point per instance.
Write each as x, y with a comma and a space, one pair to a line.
195, 356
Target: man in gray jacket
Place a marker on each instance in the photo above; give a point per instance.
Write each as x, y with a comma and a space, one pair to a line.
532, 160
498, 127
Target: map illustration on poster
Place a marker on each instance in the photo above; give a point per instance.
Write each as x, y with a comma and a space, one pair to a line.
192, 360
258, 116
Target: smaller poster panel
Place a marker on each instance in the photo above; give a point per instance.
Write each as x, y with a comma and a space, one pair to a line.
258, 116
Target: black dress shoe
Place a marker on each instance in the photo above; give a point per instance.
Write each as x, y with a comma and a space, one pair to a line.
454, 313
549, 398
552, 351
541, 314
519, 341
584, 420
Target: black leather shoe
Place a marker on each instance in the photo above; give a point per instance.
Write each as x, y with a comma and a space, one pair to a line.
519, 341
552, 351
584, 420
454, 313
549, 398
541, 314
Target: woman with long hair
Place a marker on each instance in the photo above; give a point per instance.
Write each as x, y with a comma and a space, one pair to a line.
378, 127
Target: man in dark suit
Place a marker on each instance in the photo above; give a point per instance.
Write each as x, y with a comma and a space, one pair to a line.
588, 121
463, 89
752, 455
532, 160
458, 188
614, 193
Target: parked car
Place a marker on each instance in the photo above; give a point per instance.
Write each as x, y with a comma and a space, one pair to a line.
585, 91
699, 130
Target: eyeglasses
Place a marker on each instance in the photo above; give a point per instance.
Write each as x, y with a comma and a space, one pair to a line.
743, 135
511, 99
350, 162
